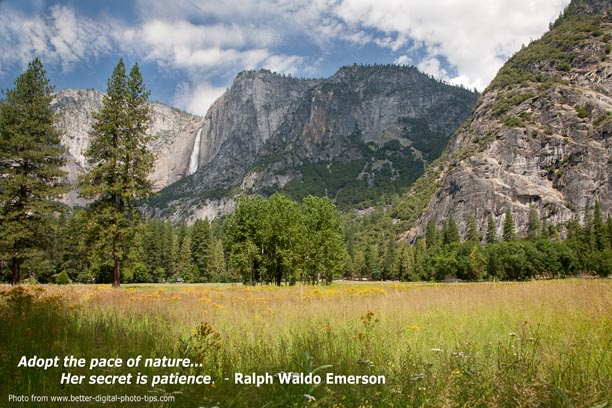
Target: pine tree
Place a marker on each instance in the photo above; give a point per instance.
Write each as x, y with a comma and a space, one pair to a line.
30, 167
451, 232
599, 228
201, 248
609, 230
432, 236
534, 227
472, 235
389, 266
121, 162
405, 262
491, 230
359, 264
588, 230
545, 233
217, 267
509, 232
184, 266
372, 262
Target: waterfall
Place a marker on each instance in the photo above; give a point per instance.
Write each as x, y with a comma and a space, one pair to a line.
195, 154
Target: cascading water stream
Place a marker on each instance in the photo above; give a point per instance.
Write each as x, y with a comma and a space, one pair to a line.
194, 160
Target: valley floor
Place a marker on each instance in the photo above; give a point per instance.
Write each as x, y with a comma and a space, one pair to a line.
541, 343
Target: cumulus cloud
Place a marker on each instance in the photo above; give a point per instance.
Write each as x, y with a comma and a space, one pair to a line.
403, 60
196, 99
474, 36
206, 41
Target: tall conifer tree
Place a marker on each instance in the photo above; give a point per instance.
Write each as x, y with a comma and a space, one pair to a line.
491, 230
201, 250
121, 163
534, 225
509, 232
30, 167
472, 235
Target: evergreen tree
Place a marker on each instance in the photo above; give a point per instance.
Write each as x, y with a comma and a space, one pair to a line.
472, 235
609, 230
372, 262
451, 232
491, 230
509, 232
135, 268
405, 263
359, 264
389, 264
170, 249
588, 232
534, 226
545, 233
184, 266
30, 168
216, 262
432, 236
152, 244
201, 248
420, 260
77, 248
599, 229
121, 162
477, 263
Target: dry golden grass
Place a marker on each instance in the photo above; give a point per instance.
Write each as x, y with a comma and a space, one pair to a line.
544, 343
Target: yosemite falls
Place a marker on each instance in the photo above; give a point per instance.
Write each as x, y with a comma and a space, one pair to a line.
195, 154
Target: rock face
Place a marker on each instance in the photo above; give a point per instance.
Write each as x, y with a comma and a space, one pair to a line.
541, 133
364, 132
175, 130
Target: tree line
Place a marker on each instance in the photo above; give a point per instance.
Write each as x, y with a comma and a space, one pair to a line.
544, 251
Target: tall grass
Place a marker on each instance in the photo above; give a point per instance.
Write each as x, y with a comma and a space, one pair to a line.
546, 343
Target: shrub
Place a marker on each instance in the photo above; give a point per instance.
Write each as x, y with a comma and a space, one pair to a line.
582, 112
61, 278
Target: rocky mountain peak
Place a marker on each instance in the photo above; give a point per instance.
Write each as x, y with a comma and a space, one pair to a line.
591, 7
540, 135
340, 136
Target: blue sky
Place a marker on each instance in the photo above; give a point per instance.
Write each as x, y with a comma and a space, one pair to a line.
190, 50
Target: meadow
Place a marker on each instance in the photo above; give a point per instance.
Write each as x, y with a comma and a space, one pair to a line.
529, 344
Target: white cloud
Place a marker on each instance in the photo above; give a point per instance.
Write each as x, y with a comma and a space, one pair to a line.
474, 36
196, 99
202, 40
164, 36
403, 60
60, 37
433, 67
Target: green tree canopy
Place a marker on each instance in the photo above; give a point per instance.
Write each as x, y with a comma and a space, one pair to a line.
30, 167
491, 230
509, 232
121, 162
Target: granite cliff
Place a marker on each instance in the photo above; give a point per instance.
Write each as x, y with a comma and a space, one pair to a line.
176, 132
540, 135
364, 132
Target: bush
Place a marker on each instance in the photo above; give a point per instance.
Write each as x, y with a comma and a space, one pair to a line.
582, 112
61, 278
